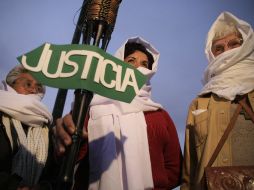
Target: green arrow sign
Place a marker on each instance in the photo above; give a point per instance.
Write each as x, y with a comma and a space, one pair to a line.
88, 67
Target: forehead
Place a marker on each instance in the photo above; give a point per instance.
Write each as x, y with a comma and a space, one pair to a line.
27, 76
139, 54
226, 38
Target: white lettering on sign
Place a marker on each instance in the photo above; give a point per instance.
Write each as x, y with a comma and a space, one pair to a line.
129, 80
45, 57
103, 65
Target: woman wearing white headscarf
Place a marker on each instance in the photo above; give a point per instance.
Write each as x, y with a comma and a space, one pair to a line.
131, 146
24, 140
229, 74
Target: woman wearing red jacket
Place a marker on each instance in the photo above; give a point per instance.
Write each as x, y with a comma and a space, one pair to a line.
130, 146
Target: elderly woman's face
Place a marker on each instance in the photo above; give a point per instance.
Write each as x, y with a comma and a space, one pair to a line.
229, 42
26, 84
137, 59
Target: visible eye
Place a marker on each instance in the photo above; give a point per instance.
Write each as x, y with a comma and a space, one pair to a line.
28, 84
144, 64
234, 43
39, 88
130, 60
218, 49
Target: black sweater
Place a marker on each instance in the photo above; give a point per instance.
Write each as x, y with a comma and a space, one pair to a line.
10, 181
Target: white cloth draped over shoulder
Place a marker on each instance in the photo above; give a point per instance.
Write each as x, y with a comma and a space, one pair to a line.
118, 145
232, 72
31, 157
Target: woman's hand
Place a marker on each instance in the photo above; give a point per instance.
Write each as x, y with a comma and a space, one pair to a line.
62, 132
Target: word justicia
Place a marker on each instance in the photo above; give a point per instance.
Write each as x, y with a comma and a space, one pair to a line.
123, 77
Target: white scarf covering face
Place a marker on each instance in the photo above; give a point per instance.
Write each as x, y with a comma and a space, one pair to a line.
31, 157
232, 72
117, 131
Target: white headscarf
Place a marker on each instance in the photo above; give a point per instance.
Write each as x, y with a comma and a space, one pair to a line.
232, 72
117, 131
31, 157
15, 73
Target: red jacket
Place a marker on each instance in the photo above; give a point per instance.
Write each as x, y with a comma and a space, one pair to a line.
165, 153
